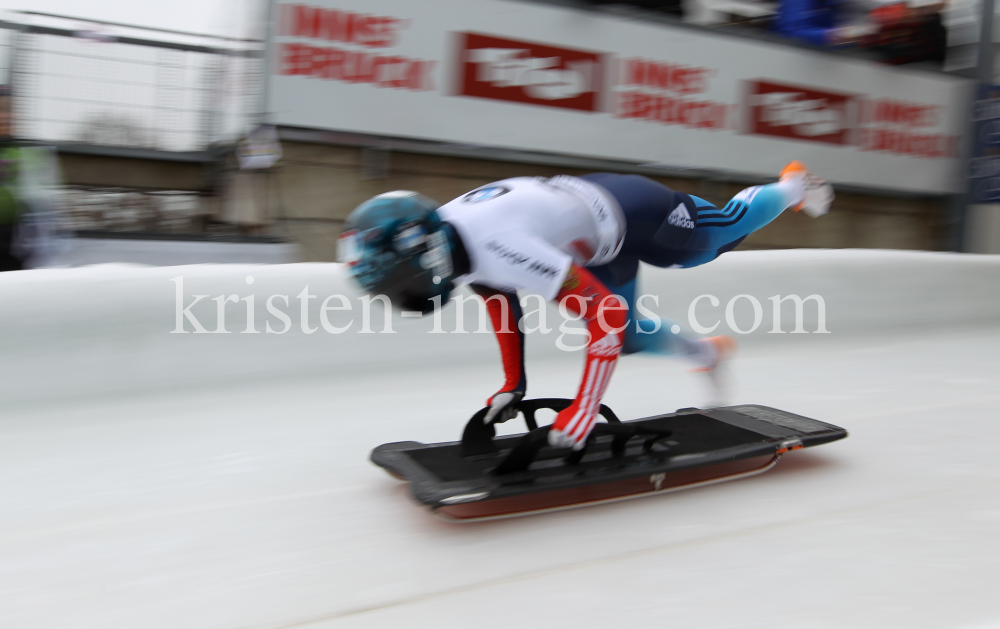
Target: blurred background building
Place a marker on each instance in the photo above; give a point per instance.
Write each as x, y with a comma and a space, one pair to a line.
177, 147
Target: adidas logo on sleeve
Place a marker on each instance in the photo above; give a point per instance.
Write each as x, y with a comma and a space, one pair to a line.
680, 217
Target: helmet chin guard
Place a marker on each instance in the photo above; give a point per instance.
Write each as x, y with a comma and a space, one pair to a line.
396, 245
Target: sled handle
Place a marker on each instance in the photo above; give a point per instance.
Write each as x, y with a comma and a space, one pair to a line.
477, 438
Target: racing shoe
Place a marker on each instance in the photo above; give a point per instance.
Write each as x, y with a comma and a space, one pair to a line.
712, 359
817, 193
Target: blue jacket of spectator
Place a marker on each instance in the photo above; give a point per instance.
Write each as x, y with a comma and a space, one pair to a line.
807, 20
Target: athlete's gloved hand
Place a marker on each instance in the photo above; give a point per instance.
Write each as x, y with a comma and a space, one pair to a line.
503, 406
574, 423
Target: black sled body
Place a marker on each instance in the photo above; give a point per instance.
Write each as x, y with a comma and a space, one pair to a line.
485, 477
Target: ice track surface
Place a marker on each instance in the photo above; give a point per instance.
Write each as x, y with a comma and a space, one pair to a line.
221, 481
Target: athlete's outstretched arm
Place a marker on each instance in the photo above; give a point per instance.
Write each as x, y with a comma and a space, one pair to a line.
505, 317
606, 317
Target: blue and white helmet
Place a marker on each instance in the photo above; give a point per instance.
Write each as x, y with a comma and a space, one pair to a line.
396, 245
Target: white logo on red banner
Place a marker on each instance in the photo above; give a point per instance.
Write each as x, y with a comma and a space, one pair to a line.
800, 113
524, 72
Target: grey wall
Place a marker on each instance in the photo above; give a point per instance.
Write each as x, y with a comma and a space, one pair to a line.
318, 185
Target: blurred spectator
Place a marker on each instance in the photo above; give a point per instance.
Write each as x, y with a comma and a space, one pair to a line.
812, 21
28, 179
909, 34
11, 205
823, 22
899, 33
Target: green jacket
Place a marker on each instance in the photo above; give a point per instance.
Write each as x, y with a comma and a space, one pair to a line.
10, 205
28, 177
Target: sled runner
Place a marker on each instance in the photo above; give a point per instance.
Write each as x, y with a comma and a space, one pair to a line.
484, 476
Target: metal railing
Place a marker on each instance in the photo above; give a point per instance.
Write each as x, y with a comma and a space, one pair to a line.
75, 86
6, 42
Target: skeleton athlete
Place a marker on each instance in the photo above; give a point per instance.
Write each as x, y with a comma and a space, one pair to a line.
577, 240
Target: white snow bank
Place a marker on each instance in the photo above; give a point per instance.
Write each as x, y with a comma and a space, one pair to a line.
100, 329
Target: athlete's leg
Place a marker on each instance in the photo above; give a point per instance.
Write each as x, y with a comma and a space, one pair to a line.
753, 208
648, 237
659, 225
644, 334
646, 205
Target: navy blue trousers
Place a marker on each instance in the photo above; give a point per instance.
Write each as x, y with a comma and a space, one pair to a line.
651, 238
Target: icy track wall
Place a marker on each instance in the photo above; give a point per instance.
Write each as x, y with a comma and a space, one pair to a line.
107, 329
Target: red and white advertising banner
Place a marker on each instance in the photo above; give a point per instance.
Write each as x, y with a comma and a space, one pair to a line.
534, 77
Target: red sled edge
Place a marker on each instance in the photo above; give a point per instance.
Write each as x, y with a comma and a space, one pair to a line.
615, 491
